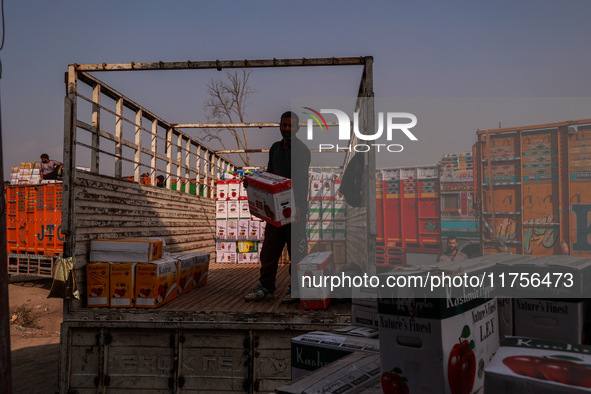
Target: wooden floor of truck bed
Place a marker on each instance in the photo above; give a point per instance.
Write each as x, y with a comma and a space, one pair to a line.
228, 283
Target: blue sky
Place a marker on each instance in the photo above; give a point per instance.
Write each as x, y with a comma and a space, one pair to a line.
421, 49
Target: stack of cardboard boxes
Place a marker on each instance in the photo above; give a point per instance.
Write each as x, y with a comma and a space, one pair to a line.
326, 227
135, 272
25, 174
239, 234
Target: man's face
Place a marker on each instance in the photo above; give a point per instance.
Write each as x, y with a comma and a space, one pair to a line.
288, 128
452, 245
44, 160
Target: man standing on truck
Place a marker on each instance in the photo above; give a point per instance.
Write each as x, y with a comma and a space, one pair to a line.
452, 253
281, 155
50, 169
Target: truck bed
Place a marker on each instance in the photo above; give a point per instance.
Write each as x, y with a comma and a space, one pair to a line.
228, 283
221, 302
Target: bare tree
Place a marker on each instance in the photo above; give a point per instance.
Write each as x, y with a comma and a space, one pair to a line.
227, 103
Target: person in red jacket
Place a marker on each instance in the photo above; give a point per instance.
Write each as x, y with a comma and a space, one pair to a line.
281, 155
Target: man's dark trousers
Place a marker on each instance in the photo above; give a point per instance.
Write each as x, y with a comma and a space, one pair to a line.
275, 240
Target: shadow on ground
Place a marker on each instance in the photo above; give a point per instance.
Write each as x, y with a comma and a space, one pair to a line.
35, 370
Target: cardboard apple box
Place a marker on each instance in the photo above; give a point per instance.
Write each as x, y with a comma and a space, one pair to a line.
221, 190
221, 210
437, 345
221, 229
243, 230
201, 269
526, 365
226, 257
254, 230
311, 271
327, 189
316, 189
244, 213
156, 283
232, 230
243, 192
234, 189
225, 247
126, 250
270, 197
262, 230
121, 284
192, 270
97, 284
316, 349
564, 320
233, 209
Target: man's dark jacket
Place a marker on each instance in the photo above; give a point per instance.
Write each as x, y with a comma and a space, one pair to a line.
280, 157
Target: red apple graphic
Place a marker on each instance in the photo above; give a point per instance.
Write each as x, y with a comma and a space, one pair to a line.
525, 365
393, 382
566, 372
287, 212
269, 213
461, 366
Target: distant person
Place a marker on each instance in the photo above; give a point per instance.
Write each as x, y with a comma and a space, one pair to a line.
160, 181
281, 155
50, 169
452, 253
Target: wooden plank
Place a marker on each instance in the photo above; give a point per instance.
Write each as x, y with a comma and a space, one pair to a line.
221, 64
168, 151
96, 125
138, 142
154, 147
118, 137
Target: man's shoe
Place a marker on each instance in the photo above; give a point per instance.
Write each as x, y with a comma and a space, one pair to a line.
290, 297
259, 294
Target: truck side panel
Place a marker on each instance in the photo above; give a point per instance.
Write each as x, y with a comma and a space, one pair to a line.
534, 188
150, 359
107, 207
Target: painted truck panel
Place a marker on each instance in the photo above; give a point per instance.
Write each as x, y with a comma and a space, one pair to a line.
408, 211
538, 200
34, 219
458, 212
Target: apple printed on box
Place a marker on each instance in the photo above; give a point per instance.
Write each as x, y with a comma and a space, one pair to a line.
394, 382
527, 365
442, 345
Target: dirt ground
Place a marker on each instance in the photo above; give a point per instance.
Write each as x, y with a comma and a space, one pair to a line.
35, 351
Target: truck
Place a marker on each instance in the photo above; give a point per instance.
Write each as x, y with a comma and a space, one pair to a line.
34, 239
209, 340
419, 207
532, 186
